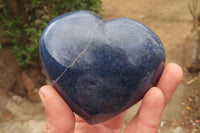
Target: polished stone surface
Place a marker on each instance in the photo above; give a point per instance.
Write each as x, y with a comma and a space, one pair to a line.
100, 67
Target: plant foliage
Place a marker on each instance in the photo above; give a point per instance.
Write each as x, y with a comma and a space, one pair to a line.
24, 22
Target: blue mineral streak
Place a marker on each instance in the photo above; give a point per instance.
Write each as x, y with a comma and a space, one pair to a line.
100, 67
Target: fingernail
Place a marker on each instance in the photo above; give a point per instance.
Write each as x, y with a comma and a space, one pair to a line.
42, 97
47, 128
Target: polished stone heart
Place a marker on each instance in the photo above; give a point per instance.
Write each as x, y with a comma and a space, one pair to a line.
99, 67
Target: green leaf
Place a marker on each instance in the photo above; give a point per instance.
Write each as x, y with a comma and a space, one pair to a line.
24, 30
1, 46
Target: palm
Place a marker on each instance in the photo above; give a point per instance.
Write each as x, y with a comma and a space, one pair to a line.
111, 126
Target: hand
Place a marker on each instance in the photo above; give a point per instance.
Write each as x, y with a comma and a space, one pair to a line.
60, 118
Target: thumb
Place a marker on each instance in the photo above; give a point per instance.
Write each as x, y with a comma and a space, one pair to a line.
60, 118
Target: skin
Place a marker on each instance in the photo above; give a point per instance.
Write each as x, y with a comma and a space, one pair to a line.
61, 119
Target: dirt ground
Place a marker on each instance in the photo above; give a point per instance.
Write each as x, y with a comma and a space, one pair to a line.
172, 22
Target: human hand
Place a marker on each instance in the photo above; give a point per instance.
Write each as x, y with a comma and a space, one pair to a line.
61, 119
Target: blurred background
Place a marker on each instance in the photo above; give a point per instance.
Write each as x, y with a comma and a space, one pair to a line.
176, 22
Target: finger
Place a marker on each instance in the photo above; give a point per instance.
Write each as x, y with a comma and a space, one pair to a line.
170, 79
60, 118
148, 117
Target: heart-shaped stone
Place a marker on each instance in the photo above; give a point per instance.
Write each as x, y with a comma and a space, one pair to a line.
99, 67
